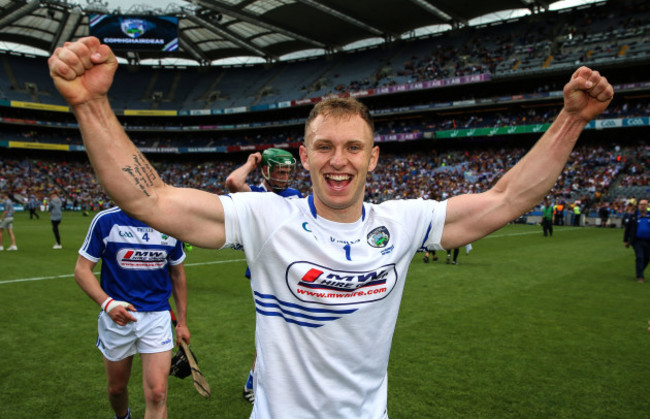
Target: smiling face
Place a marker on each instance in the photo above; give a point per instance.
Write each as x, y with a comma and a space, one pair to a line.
339, 152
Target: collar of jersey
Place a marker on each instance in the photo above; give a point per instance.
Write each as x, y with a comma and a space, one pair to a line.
312, 208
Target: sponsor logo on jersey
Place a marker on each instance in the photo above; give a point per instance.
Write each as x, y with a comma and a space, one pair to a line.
379, 237
141, 259
314, 283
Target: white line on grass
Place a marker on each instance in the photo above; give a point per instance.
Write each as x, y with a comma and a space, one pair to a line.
496, 236
493, 236
44, 278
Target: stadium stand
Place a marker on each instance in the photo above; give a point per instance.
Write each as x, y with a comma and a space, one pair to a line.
431, 137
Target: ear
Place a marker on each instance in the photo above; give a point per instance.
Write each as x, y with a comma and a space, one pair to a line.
304, 158
374, 158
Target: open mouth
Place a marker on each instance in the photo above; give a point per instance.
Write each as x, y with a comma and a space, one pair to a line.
338, 181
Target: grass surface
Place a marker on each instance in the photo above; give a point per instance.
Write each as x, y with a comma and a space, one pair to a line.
524, 326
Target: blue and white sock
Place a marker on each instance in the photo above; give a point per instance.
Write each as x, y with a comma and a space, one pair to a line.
127, 416
249, 382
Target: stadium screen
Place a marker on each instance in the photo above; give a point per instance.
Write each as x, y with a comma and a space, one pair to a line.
136, 33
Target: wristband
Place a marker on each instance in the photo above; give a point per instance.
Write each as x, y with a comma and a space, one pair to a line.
109, 304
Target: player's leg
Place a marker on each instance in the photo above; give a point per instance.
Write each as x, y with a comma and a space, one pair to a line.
55, 229
645, 258
12, 236
249, 391
155, 344
117, 344
639, 260
155, 372
117, 380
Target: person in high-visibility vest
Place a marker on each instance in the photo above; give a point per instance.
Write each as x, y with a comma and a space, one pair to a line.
559, 214
547, 218
576, 214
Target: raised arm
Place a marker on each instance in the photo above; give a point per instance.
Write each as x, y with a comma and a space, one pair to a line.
83, 73
236, 180
471, 217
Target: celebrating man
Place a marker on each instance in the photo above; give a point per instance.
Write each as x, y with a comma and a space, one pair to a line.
328, 270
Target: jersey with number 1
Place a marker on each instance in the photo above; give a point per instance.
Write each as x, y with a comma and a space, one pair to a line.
327, 296
135, 259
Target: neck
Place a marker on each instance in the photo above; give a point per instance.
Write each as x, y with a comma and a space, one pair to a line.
339, 215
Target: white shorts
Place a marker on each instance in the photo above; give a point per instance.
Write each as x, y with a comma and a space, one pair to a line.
152, 333
7, 223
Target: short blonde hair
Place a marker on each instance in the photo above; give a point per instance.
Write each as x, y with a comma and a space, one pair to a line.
337, 108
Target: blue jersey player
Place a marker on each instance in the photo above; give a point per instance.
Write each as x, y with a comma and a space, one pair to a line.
141, 269
327, 271
277, 167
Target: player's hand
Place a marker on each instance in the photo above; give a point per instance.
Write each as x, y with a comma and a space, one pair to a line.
83, 70
182, 333
587, 94
254, 159
121, 315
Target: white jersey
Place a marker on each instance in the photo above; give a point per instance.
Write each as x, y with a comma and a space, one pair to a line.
327, 297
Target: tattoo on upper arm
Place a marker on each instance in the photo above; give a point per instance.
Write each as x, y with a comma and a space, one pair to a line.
142, 173
148, 172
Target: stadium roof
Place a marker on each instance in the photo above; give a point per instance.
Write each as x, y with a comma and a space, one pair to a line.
212, 30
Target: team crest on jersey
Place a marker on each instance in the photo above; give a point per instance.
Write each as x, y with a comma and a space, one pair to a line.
315, 283
379, 237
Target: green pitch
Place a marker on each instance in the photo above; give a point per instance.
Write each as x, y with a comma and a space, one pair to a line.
523, 326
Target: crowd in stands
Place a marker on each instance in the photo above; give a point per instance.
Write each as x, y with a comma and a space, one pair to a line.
534, 42
637, 173
294, 133
590, 176
585, 35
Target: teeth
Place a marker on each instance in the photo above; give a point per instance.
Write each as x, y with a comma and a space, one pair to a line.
338, 178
